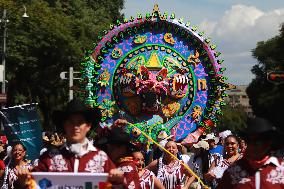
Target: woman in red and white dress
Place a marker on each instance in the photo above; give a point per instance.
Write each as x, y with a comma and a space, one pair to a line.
232, 154
169, 170
17, 162
147, 178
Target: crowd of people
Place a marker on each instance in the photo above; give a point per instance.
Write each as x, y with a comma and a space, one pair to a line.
221, 160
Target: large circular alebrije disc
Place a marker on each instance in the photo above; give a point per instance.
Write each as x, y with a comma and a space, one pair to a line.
156, 72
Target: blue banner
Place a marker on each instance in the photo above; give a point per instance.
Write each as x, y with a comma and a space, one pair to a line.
21, 124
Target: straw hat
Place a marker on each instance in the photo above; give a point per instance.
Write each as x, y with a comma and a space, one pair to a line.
202, 144
163, 135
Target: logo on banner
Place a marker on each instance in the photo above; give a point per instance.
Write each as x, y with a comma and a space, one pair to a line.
70, 180
45, 184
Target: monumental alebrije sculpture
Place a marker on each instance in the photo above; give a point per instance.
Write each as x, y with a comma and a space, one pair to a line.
156, 72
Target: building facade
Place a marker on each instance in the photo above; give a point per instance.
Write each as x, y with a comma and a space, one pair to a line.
238, 96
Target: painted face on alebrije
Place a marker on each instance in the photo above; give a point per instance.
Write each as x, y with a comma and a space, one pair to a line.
152, 88
155, 80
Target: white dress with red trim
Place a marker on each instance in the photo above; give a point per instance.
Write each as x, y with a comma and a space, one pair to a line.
170, 175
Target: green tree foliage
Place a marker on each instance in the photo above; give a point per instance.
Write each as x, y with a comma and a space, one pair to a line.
234, 119
267, 98
53, 38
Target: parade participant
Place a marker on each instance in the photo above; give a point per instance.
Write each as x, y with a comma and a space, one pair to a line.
119, 148
3, 147
199, 161
2, 155
162, 139
243, 145
258, 168
147, 178
78, 154
17, 162
215, 150
231, 155
2, 168
169, 170
182, 153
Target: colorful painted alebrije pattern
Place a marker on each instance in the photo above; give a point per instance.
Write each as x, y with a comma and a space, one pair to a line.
156, 72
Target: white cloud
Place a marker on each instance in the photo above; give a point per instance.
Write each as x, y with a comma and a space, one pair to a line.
244, 25
238, 19
208, 26
237, 32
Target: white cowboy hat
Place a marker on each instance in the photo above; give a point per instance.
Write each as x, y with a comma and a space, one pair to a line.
211, 136
224, 134
201, 144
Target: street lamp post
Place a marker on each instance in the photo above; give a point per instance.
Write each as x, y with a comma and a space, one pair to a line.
4, 21
71, 78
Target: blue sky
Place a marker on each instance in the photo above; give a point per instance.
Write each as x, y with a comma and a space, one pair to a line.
235, 26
